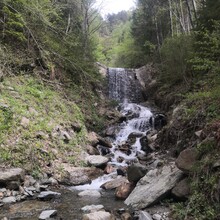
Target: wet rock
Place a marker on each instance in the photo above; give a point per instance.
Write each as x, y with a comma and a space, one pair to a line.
8, 200
135, 172
47, 195
182, 189
144, 216
104, 142
92, 150
133, 136
92, 208
90, 193
103, 150
124, 190
154, 186
125, 148
11, 174
100, 215
96, 160
47, 214
109, 169
187, 159
121, 172
113, 184
144, 145
78, 175
158, 121
25, 122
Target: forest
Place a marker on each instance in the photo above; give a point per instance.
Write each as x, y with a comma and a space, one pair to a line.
59, 42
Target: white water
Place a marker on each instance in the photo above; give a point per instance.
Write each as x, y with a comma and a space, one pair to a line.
123, 87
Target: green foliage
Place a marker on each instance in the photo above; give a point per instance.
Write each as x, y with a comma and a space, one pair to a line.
174, 55
207, 49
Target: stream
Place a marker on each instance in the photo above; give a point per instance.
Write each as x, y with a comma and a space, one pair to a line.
124, 88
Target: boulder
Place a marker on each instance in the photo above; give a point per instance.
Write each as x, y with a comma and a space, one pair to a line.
135, 172
76, 126
97, 160
123, 191
187, 159
113, 184
74, 176
92, 150
8, 200
47, 214
93, 138
11, 174
182, 189
104, 142
90, 193
126, 216
47, 195
109, 169
133, 136
154, 186
100, 215
103, 150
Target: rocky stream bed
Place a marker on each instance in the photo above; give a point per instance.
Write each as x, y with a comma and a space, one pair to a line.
127, 176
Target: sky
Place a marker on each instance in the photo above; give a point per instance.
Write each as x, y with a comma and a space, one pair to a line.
114, 6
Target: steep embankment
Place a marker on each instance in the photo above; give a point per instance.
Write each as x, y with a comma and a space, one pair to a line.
192, 136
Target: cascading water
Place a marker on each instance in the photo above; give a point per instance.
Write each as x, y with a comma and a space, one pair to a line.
125, 88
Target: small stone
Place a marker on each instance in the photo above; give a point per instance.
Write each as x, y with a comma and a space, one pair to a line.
8, 193
47, 214
8, 200
1, 195
100, 215
25, 122
123, 191
92, 208
21, 190
3, 190
29, 181
47, 195
28, 192
198, 133
90, 193
53, 181
157, 217
15, 193
126, 216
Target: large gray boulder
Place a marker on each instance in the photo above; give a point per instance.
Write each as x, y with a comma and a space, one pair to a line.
154, 186
11, 174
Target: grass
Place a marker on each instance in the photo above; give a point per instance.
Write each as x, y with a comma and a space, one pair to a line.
46, 109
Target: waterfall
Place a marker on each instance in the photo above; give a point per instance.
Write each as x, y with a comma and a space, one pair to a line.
123, 85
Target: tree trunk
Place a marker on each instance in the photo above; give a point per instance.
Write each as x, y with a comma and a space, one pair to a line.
171, 17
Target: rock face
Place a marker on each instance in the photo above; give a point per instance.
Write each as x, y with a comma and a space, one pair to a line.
96, 160
9, 175
153, 186
101, 215
187, 159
